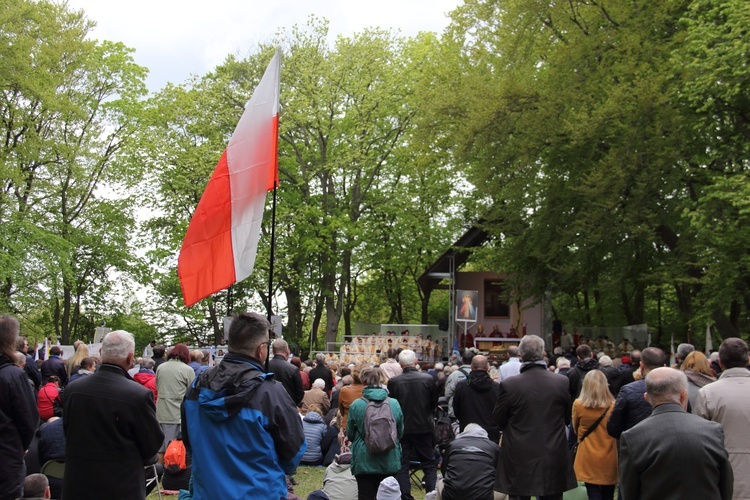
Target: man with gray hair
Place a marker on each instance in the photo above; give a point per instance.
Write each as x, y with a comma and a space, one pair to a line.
110, 428
673, 454
322, 371
417, 394
36, 487
316, 396
532, 411
682, 351
563, 366
285, 372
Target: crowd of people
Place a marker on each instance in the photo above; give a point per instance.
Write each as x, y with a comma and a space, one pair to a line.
533, 426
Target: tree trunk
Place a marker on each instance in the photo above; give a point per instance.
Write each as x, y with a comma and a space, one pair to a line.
218, 329
723, 325
586, 310
65, 319
294, 314
639, 303
316, 322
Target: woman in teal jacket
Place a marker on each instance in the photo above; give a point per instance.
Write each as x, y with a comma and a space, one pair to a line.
370, 469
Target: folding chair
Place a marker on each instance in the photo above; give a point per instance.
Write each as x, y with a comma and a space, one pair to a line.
414, 468
150, 480
54, 469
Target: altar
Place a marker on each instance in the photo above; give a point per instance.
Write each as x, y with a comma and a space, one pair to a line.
496, 347
487, 343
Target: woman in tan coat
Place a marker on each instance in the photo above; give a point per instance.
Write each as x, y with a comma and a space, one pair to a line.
347, 396
596, 460
350, 393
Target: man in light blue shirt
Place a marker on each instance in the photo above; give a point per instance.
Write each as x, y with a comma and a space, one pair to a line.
512, 367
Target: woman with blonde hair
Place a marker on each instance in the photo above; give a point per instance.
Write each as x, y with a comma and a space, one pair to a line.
596, 460
74, 363
698, 373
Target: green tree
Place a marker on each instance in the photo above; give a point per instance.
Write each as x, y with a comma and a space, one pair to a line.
66, 104
581, 121
350, 180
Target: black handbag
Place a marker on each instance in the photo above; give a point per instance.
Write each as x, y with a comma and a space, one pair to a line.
591, 429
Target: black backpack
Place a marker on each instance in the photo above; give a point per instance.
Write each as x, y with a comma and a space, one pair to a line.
444, 430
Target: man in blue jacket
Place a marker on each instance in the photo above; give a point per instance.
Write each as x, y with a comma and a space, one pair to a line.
240, 425
631, 407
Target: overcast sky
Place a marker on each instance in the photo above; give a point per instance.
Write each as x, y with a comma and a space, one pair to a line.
175, 39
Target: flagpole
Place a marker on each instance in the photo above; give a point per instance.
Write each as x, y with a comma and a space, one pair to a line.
270, 270
273, 248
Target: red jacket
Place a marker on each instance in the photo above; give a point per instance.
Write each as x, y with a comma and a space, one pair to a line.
147, 380
45, 400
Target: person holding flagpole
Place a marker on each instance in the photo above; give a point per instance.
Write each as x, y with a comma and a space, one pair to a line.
241, 427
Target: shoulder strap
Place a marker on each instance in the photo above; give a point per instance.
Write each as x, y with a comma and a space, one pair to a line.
591, 429
463, 370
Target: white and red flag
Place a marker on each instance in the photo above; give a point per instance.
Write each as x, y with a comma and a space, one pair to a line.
221, 242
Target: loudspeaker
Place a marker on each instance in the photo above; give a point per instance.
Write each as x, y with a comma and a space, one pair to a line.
557, 326
443, 325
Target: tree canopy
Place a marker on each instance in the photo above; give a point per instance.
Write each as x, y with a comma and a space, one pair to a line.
604, 145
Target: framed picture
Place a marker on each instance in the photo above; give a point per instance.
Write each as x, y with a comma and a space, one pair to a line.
495, 305
466, 305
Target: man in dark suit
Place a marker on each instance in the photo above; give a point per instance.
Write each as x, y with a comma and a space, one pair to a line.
673, 454
417, 394
285, 372
54, 366
322, 372
110, 428
22, 346
532, 410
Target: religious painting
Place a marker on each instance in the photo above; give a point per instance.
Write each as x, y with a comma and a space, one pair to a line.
495, 303
466, 305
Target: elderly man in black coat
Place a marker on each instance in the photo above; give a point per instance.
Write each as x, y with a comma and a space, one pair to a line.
532, 411
22, 346
285, 372
110, 428
417, 394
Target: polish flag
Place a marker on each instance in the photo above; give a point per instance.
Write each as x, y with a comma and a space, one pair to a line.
222, 239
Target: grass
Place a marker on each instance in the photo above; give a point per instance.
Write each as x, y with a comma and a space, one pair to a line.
308, 480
